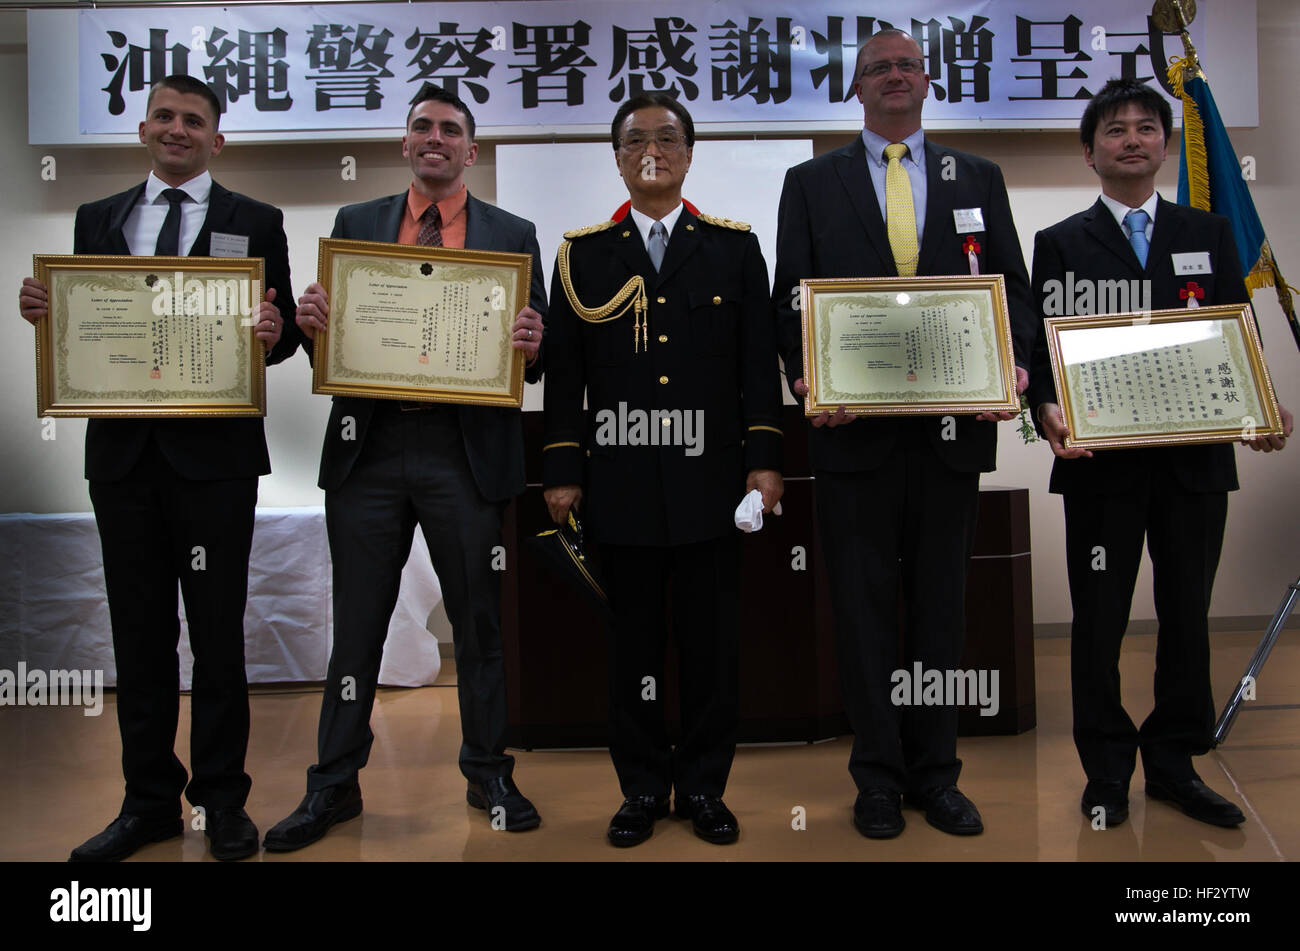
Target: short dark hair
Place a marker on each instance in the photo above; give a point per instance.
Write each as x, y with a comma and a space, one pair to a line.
182, 83
430, 92
1117, 93
651, 100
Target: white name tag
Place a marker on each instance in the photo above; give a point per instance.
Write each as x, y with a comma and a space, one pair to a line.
968, 219
228, 245
1192, 262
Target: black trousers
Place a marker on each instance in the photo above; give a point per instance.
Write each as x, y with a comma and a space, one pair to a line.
1103, 543
157, 529
412, 470
910, 522
703, 579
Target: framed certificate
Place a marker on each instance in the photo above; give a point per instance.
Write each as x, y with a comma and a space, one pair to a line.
907, 345
1162, 377
132, 335
416, 323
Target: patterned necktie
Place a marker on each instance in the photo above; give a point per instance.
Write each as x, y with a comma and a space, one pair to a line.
1136, 222
658, 244
430, 227
169, 238
900, 214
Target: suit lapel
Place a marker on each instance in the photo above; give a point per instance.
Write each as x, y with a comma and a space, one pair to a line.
221, 209
851, 166
116, 236
630, 249
389, 219
1101, 226
1166, 226
478, 230
682, 243
935, 189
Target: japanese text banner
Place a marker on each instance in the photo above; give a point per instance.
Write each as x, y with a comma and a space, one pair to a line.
331, 69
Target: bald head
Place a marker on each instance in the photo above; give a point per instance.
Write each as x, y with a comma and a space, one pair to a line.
865, 50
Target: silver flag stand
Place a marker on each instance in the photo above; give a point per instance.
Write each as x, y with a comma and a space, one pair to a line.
1251, 675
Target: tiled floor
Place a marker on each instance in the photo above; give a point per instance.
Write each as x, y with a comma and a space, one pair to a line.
60, 783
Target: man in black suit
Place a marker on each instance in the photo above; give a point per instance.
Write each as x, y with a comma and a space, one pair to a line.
388, 465
1175, 496
683, 400
162, 488
897, 497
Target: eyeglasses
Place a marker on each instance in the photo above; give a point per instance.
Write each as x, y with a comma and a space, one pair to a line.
668, 140
881, 68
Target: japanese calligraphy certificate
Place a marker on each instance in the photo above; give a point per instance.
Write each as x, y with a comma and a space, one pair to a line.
907, 346
1163, 377
137, 336
409, 322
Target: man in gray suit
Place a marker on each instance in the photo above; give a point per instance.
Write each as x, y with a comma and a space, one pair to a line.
388, 465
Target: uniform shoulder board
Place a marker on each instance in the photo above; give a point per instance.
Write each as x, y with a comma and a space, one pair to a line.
589, 229
725, 223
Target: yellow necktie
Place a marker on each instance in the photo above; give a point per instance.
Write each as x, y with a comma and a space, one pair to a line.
900, 215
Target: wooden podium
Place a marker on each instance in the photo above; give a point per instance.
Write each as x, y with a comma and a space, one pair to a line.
555, 645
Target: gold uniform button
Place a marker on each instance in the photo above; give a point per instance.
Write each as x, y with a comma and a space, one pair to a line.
588, 452
666, 421
663, 379
662, 300
663, 338
717, 301
627, 234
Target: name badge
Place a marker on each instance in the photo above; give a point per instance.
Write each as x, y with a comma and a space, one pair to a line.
228, 245
1192, 262
968, 219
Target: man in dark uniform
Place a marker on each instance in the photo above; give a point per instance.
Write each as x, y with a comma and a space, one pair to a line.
1174, 496
388, 466
897, 497
161, 487
662, 319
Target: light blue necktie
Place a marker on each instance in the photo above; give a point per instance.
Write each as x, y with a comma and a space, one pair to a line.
658, 244
1136, 222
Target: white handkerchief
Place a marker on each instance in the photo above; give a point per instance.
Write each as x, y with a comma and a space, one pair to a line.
749, 513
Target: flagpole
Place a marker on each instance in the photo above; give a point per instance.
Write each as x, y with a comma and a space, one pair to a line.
1174, 16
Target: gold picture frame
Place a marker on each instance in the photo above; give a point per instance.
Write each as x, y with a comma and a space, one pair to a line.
1162, 377
409, 322
908, 346
145, 336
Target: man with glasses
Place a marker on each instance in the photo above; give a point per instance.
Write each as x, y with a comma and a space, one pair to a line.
897, 497
663, 320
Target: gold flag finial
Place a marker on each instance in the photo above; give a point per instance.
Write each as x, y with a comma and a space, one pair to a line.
1174, 16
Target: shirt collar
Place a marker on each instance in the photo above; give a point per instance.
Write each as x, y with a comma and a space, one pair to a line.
644, 222
451, 206
1121, 210
876, 147
197, 188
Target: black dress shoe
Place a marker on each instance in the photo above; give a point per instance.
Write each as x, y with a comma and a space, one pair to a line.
314, 816
635, 820
878, 813
124, 836
1197, 800
231, 834
710, 818
1111, 795
501, 791
948, 810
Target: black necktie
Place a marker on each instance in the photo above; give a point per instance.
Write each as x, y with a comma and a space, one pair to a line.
169, 238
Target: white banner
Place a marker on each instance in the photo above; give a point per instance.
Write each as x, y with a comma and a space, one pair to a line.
556, 66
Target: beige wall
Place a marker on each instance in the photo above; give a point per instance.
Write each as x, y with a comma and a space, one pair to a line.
1047, 181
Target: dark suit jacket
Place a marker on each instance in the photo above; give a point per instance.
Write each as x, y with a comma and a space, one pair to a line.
1092, 246
712, 349
494, 437
830, 225
196, 448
